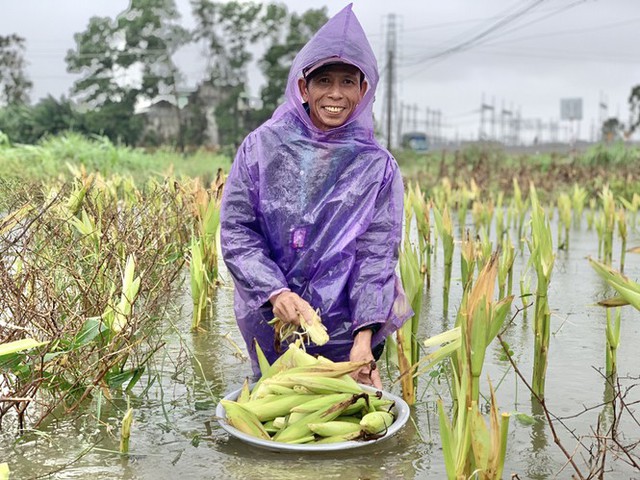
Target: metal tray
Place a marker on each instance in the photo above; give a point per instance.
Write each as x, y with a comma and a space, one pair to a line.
400, 409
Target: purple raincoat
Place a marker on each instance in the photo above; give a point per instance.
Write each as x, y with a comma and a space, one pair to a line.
318, 212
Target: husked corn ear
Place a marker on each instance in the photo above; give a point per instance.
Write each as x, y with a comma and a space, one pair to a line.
376, 422
307, 439
244, 420
279, 422
333, 428
316, 331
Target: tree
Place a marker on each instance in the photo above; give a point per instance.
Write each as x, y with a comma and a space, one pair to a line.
286, 42
227, 29
634, 107
14, 83
130, 59
611, 129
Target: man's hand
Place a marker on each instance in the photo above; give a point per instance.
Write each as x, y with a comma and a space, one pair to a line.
288, 307
361, 351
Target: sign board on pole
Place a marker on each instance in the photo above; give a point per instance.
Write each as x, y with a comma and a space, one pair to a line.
571, 109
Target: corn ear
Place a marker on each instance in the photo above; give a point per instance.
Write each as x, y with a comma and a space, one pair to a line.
125, 431
244, 420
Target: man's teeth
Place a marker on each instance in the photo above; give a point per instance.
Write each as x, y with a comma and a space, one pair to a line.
334, 109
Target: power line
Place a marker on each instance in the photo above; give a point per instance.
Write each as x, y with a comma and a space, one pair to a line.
465, 44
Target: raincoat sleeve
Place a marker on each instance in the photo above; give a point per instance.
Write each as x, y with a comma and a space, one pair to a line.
372, 283
244, 247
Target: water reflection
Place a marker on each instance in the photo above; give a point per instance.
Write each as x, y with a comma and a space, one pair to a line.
539, 462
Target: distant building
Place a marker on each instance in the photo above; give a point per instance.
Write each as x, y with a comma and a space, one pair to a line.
194, 119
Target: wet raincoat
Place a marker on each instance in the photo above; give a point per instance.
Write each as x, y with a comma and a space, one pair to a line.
318, 212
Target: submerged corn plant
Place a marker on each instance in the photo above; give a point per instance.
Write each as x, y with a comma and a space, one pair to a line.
467, 445
408, 353
632, 207
505, 269
467, 260
613, 341
564, 213
422, 211
489, 445
542, 259
204, 246
499, 215
519, 207
629, 294
445, 232
578, 200
609, 223
622, 231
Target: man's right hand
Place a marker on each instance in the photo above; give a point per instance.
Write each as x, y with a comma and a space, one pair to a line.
288, 307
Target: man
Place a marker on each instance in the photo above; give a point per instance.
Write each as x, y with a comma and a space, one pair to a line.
312, 208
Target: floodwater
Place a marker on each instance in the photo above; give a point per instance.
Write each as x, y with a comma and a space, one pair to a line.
175, 434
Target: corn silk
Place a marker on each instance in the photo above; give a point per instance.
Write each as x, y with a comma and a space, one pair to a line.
318, 212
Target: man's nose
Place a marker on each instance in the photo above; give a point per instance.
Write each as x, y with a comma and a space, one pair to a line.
335, 91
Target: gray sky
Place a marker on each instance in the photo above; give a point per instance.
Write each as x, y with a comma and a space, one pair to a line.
553, 49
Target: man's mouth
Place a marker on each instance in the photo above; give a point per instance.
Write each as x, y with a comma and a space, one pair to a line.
331, 109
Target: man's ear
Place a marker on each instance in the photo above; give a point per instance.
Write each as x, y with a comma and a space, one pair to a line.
363, 88
304, 91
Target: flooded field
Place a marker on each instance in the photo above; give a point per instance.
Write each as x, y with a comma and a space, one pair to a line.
175, 434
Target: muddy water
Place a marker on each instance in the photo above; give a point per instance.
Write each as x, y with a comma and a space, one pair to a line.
175, 436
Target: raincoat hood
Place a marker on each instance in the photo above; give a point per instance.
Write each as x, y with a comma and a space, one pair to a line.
342, 37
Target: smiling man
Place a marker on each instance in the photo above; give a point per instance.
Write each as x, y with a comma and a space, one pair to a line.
312, 209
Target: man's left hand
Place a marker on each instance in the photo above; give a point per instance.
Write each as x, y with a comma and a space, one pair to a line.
361, 351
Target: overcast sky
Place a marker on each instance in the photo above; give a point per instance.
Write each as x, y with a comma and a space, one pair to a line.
521, 55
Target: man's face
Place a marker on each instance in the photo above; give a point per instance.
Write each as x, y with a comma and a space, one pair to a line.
332, 95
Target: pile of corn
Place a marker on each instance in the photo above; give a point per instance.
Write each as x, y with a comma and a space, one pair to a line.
303, 399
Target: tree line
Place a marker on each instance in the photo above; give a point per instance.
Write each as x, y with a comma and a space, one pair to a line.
130, 60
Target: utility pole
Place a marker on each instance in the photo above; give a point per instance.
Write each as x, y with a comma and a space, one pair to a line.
391, 53
603, 108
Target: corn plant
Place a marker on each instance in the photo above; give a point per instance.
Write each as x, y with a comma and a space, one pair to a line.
520, 207
622, 231
505, 269
578, 199
467, 260
445, 232
489, 445
499, 216
408, 353
631, 207
484, 247
613, 341
422, 211
542, 258
609, 223
564, 213
480, 319
591, 213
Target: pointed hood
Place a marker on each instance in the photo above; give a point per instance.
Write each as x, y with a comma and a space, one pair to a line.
342, 37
